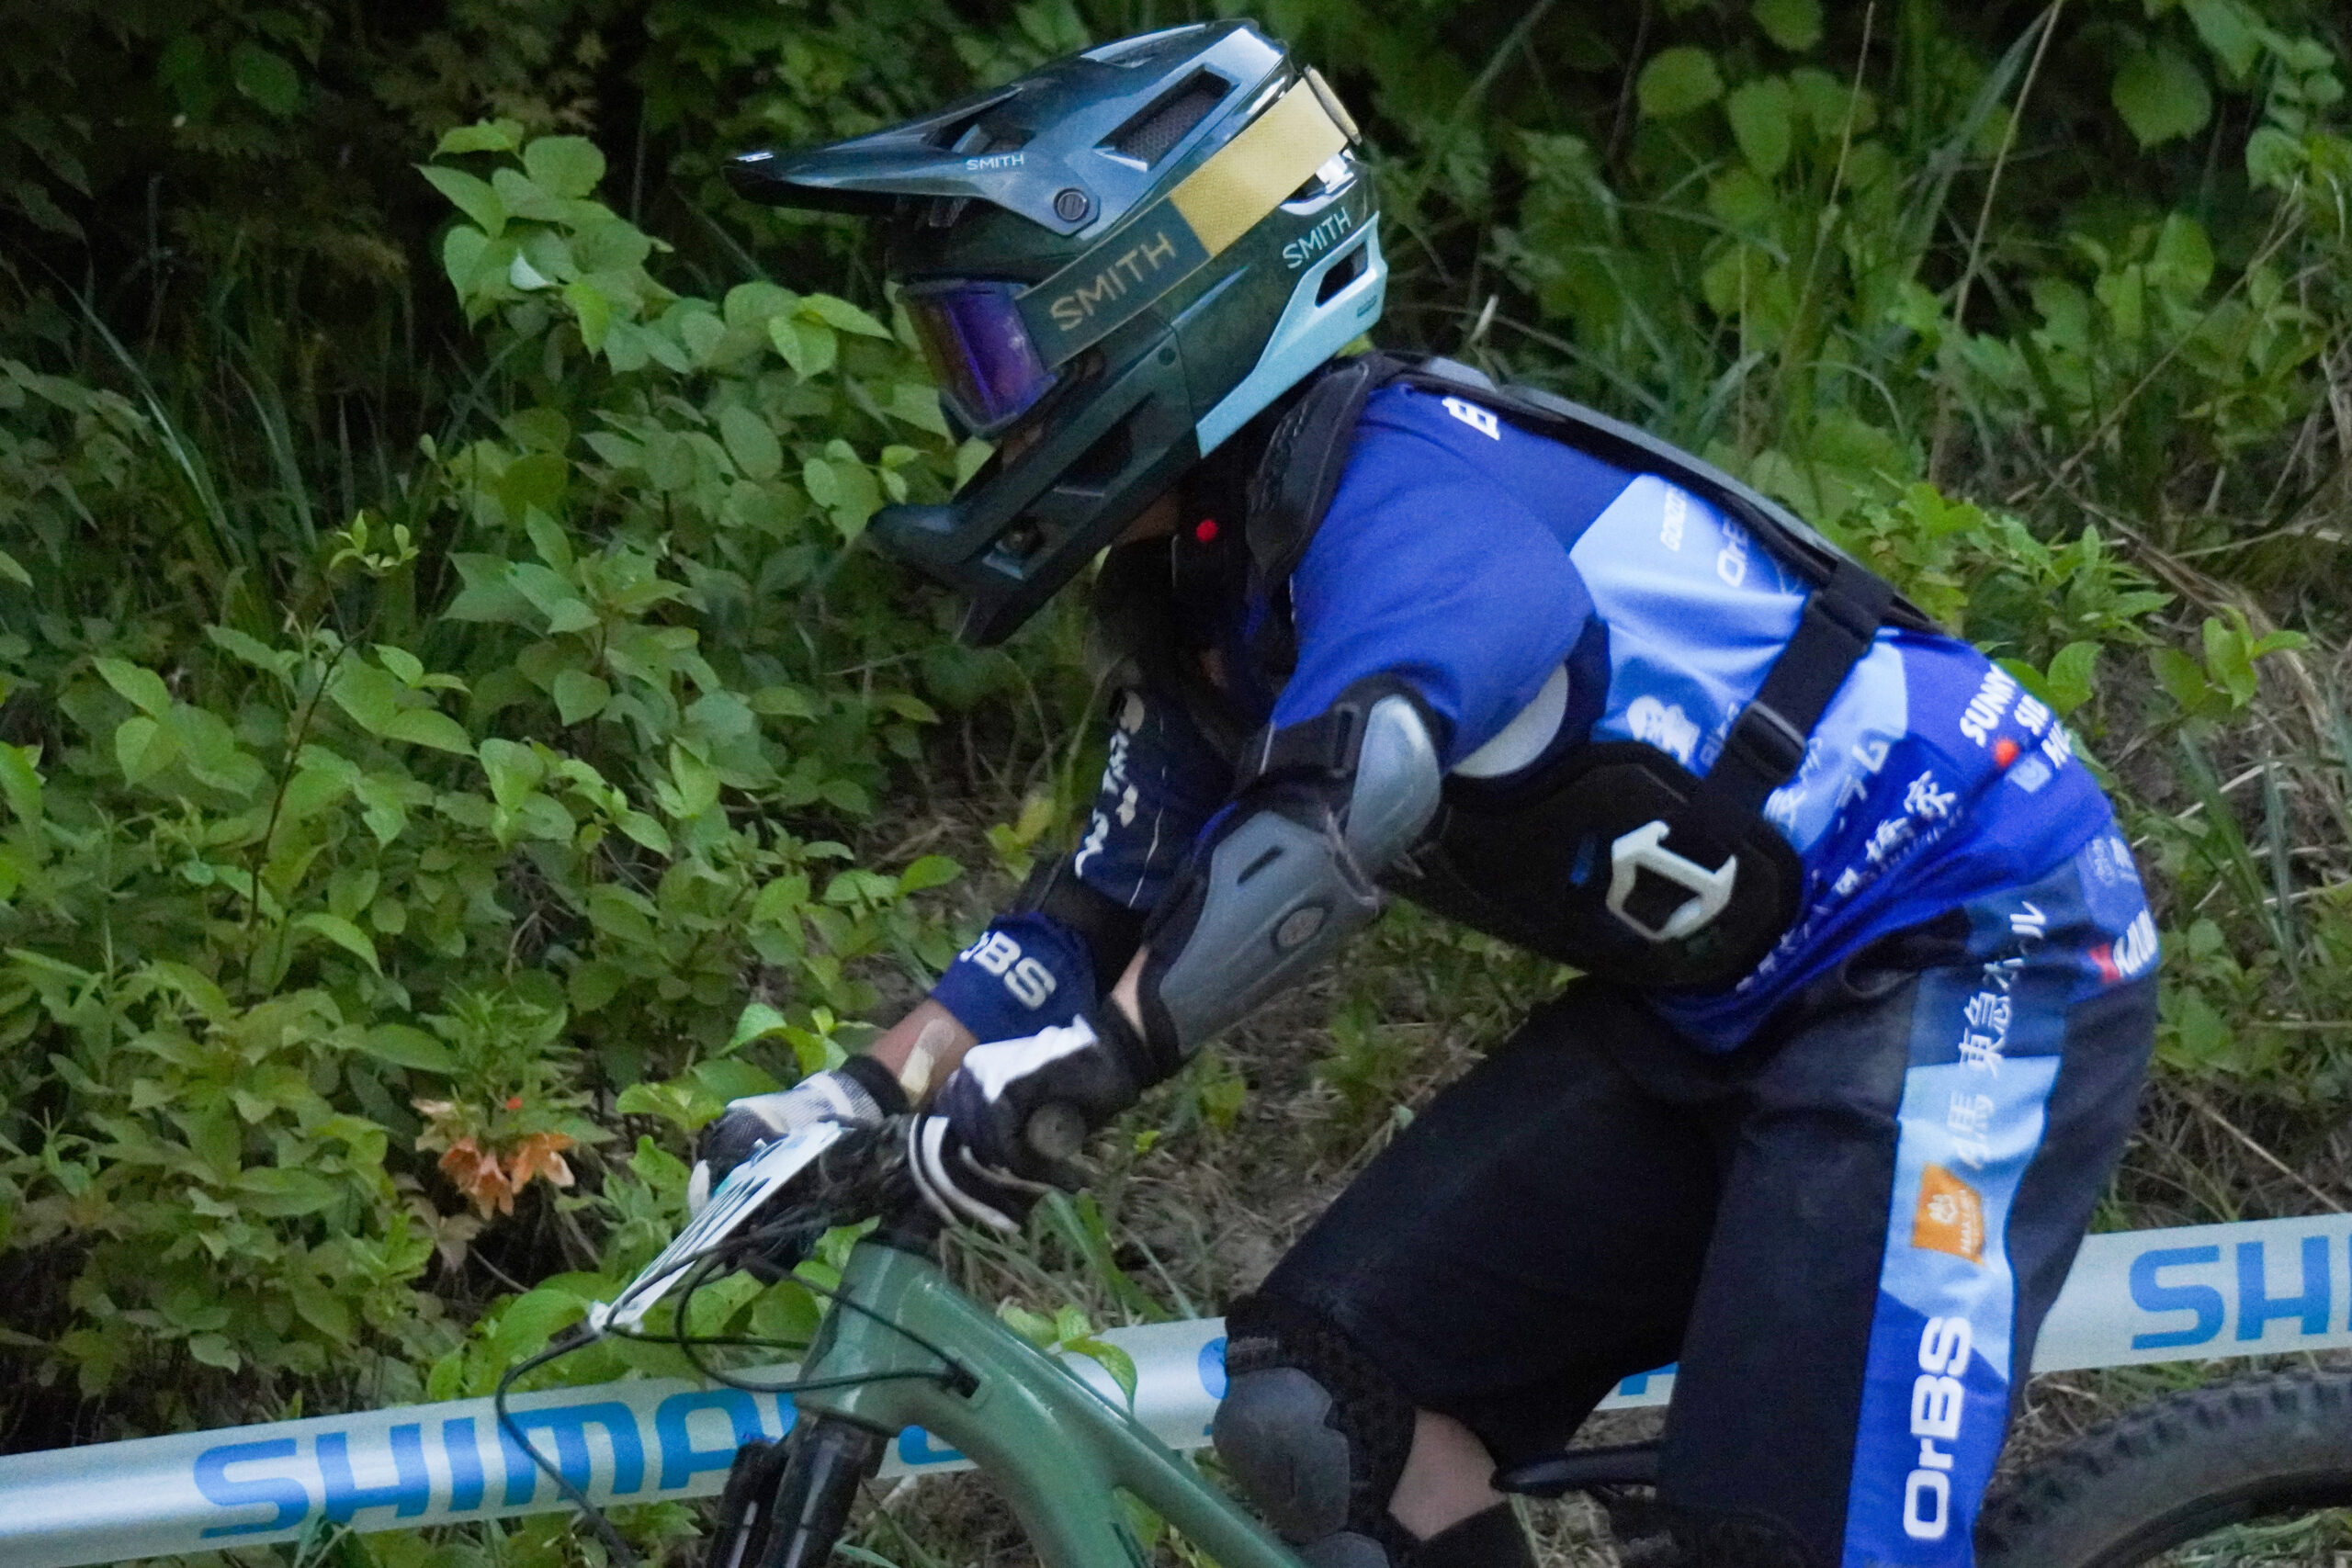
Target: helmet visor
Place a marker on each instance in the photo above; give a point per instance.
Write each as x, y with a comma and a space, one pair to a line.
979, 351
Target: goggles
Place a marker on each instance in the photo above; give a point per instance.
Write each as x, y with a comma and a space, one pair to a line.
980, 352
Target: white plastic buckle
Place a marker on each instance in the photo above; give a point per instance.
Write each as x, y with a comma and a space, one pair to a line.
1644, 849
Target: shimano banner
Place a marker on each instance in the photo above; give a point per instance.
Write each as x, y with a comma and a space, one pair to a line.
2258, 1287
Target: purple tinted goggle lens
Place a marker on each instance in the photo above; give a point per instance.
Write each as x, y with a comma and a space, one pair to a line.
979, 348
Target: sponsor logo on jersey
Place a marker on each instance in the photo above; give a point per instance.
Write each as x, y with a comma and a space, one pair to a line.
1030, 981
1993, 694
1731, 561
1672, 513
2132, 955
1318, 240
1483, 420
1664, 725
1951, 1217
1938, 1404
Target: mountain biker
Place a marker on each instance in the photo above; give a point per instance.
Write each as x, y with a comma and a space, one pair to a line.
1869, 970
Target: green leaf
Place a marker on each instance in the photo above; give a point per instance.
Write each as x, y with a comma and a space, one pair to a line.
1762, 116
593, 985
930, 871
2073, 676
344, 934
2161, 94
470, 197
428, 727
266, 78
14, 570
404, 1045
683, 1103
568, 166
513, 770
579, 695
751, 443
594, 311
406, 667
1036, 1328
1794, 25
143, 688
969, 460
2185, 679
482, 136
842, 316
283, 1195
20, 781
2228, 30
919, 406
1111, 1359
1677, 81
530, 1321
142, 748
368, 694
322, 1308
809, 347
214, 1351
2183, 259
2273, 158
757, 1022
462, 252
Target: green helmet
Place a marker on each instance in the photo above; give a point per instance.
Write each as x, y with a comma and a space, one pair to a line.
1129, 251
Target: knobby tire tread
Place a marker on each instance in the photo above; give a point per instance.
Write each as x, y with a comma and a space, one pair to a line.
2177, 1468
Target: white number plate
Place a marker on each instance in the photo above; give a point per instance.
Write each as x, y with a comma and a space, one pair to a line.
748, 1186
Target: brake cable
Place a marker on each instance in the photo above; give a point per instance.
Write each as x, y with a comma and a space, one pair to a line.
950, 1374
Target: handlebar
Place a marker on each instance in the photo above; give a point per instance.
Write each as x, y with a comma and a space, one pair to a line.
863, 1174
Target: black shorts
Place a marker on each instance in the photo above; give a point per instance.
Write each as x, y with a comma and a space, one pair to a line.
1846, 1233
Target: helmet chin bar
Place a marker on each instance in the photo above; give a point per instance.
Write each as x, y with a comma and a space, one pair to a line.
1008, 544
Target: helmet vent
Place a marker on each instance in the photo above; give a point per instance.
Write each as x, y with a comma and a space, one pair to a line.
1147, 138
1344, 271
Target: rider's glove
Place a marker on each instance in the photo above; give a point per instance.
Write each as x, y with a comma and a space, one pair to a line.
859, 1093
1006, 1122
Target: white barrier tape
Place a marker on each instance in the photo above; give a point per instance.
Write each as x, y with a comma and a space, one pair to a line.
2257, 1287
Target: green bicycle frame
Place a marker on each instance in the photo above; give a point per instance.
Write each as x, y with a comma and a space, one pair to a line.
1057, 1451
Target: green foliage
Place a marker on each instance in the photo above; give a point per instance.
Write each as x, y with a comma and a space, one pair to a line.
273, 895
452, 737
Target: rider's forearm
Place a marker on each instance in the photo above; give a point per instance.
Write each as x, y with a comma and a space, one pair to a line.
922, 1048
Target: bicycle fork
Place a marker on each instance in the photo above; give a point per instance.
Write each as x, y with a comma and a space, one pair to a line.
786, 1504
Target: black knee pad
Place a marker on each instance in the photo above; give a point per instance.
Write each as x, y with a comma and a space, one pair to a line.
1315, 1433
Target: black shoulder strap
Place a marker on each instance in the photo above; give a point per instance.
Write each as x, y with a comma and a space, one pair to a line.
1300, 472
1294, 486
1765, 745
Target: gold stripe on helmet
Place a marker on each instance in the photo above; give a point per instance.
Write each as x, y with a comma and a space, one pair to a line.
1258, 170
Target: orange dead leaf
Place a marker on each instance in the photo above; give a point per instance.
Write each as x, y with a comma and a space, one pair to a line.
478, 1175
541, 1154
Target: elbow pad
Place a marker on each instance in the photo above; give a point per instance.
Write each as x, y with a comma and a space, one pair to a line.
1287, 872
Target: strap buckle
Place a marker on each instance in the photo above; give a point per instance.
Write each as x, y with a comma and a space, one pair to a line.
1644, 849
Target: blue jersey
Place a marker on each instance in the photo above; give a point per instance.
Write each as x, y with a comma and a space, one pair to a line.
1502, 574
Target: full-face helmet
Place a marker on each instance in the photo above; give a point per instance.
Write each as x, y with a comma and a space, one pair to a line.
1120, 258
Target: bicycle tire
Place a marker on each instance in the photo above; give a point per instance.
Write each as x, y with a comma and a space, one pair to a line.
2177, 1469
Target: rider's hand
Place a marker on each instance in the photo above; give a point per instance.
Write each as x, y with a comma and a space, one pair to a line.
1005, 1123
858, 1093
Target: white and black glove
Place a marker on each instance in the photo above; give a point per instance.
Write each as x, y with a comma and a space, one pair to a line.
859, 1093
1005, 1124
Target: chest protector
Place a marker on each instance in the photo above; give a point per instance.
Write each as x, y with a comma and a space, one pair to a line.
1611, 856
